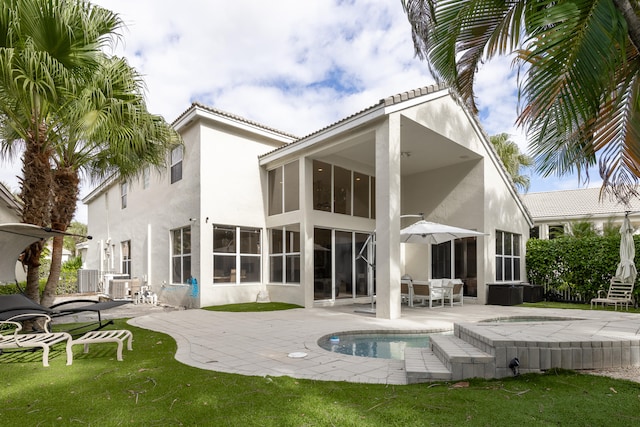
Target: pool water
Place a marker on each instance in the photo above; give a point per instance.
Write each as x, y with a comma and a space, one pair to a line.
382, 345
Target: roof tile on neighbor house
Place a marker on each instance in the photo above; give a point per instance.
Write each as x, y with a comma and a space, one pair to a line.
575, 204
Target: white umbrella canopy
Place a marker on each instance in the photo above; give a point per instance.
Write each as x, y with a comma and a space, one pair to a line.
14, 239
426, 232
626, 271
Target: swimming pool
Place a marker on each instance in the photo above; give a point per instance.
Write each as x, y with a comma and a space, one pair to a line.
376, 344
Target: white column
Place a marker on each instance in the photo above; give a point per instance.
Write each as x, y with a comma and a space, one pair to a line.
388, 219
306, 230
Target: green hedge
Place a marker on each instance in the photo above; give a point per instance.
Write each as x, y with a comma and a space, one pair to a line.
583, 265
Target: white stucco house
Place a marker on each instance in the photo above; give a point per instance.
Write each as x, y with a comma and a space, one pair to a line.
246, 208
554, 212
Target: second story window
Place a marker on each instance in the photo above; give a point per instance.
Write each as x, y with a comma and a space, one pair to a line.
284, 188
123, 195
176, 164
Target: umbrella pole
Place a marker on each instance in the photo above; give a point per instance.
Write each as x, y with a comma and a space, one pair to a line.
371, 267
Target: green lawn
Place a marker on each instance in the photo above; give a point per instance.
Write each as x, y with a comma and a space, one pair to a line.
150, 388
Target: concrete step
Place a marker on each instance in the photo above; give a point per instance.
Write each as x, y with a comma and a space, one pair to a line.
462, 359
422, 365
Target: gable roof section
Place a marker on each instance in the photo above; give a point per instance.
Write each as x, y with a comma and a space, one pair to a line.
202, 111
400, 101
199, 111
369, 111
575, 204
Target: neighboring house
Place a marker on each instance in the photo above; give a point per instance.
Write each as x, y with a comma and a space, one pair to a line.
10, 206
11, 212
246, 209
66, 253
553, 212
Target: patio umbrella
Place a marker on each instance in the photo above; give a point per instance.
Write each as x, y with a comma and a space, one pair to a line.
626, 271
426, 232
14, 239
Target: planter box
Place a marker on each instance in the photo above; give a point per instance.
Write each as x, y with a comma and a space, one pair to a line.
532, 293
505, 293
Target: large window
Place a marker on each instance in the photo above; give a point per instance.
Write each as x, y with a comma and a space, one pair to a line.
507, 256
361, 195
284, 185
176, 164
125, 247
322, 196
236, 254
339, 270
285, 256
342, 191
181, 255
441, 260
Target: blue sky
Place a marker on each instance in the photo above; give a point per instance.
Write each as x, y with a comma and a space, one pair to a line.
293, 65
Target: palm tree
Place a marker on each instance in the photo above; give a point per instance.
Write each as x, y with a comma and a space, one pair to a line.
46, 48
51, 62
108, 130
579, 74
513, 159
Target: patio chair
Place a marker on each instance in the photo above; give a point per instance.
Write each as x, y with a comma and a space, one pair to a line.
425, 291
456, 294
406, 290
619, 293
12, 339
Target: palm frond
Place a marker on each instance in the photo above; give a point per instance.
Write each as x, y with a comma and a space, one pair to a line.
457, 36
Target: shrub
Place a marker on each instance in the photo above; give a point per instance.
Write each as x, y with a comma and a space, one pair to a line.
583, 265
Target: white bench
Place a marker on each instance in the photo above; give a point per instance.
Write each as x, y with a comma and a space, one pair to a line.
618, 293
116, 336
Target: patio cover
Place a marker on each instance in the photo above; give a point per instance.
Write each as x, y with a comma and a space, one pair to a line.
426, 232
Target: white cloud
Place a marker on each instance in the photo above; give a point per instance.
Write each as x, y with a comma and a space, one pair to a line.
293, 65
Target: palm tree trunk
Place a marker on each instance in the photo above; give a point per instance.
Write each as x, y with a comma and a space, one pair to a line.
35, 193
633, 22
66, 187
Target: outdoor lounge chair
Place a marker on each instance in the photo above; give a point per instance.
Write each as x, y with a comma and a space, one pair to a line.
20, 305
618, 293
11, 338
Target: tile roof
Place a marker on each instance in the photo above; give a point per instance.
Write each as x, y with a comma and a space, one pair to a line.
574, 203
233, 117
